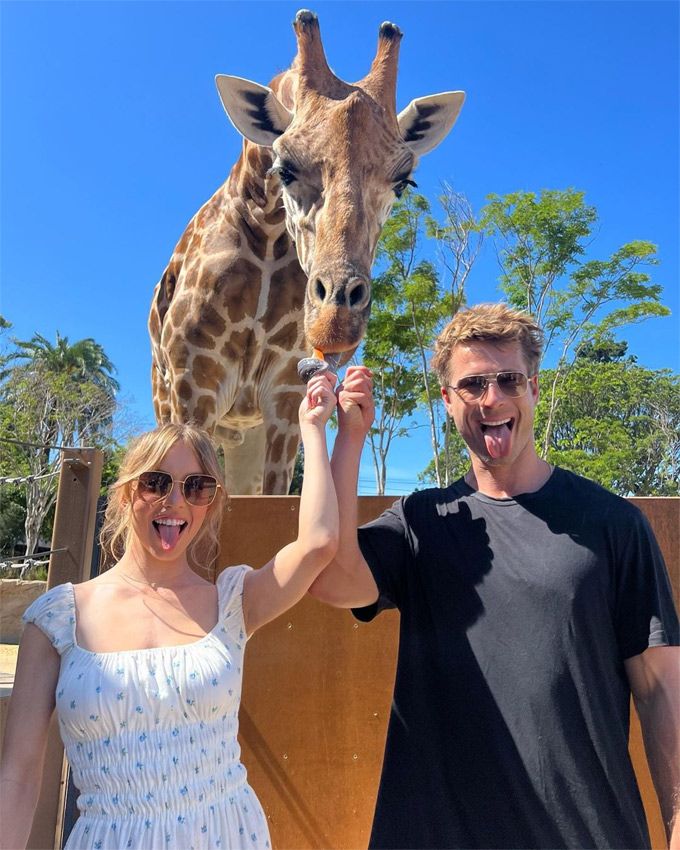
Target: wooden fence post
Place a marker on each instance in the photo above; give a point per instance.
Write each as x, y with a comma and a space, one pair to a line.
72, 539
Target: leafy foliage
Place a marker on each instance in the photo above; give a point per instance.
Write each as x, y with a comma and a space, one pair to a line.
617, 423
53, 395
411, 304
542, 243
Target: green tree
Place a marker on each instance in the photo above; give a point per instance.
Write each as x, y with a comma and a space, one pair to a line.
55, 395
412, 301
542, 242
616, 422
453, 460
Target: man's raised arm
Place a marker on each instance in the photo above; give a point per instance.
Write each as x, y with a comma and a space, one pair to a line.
347, 581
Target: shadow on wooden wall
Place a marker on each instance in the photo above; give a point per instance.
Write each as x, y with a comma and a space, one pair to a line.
318, 687
317, 691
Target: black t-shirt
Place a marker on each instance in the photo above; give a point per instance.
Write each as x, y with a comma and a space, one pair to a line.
509, 724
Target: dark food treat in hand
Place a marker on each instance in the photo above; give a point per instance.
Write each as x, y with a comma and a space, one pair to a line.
320, 362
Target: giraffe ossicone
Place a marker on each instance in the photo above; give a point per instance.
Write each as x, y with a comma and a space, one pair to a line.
278, 260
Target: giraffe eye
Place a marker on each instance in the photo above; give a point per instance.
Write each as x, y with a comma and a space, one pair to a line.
285, 175
400, 187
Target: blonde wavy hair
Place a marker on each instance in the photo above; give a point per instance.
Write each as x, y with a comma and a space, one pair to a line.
146, 453
495, 323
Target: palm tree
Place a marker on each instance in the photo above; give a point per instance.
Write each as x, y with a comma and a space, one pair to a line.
61, 393
85, 360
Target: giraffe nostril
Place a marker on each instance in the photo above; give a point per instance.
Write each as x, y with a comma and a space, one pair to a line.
320, 290
356, 296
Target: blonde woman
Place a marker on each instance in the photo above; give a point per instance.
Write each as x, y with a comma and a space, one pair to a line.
144, 662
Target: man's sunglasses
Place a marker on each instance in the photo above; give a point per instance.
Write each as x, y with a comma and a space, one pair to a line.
198, 489
473, 387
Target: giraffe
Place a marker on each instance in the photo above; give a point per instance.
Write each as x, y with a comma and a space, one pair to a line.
278, 260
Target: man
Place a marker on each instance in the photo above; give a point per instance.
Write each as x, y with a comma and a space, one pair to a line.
532, 602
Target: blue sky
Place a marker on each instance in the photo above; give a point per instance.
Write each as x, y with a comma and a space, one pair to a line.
113, 135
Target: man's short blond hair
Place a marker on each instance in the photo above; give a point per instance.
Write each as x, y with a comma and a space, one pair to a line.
495, 323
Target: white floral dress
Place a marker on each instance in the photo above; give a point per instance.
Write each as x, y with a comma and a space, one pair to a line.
151, 734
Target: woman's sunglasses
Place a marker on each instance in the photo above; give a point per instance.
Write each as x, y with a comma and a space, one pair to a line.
473, 387
197, 489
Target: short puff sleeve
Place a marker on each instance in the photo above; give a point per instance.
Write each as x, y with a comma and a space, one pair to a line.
54, 613
230, 595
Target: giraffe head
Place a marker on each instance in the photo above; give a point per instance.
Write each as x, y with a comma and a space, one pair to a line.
341, 155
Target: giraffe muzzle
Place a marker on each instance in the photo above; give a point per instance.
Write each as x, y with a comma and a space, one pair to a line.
352, 294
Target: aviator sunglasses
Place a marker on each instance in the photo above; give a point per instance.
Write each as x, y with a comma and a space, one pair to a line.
473, 387
198, 489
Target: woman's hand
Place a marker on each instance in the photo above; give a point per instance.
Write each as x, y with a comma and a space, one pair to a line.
319, 402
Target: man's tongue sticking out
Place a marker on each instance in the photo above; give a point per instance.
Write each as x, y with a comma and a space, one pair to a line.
497, 440
169, 534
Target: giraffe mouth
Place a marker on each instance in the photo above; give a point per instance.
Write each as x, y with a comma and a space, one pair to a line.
332, 359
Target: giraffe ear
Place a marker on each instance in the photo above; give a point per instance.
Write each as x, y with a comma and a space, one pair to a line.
253, 109
427, 120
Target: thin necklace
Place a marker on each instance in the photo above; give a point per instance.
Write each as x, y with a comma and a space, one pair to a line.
152, 584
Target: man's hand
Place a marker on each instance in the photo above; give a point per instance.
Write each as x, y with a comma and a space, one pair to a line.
356, 409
